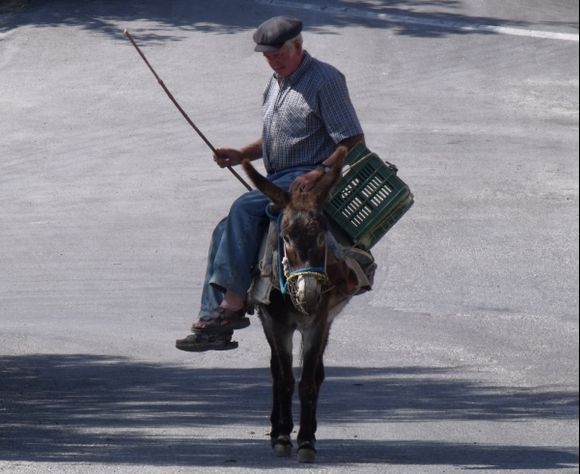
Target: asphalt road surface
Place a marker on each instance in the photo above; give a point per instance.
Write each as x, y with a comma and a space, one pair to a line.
464, 357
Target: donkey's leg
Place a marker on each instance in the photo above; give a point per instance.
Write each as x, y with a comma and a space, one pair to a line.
280, 340
312, 377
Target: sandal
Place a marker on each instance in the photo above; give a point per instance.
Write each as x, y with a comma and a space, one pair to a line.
201, 342
220, 320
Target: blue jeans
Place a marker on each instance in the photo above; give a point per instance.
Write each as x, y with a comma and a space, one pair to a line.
236, 241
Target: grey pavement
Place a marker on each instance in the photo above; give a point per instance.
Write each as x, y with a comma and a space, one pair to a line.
464, 357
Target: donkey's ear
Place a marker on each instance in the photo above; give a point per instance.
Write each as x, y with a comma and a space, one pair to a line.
328, 180
277, 195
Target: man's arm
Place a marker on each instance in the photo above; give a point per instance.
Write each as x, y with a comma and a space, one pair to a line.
308, 181
232, 156
253, 151
349, 143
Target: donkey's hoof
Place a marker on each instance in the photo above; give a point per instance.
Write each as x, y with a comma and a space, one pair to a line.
306, 455
282, 446
283, 450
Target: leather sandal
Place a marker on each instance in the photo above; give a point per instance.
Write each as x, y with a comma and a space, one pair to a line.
220, 320
201, 342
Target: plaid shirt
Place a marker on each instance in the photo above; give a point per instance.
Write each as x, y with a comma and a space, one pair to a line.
305, 116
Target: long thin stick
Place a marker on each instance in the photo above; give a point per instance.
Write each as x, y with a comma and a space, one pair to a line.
185, 116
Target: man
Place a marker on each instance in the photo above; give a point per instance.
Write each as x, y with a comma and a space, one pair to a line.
307, 113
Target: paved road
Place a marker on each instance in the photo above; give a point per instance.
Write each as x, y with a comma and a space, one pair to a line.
465, 354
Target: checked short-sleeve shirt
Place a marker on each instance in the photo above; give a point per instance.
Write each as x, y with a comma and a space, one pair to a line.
305, 116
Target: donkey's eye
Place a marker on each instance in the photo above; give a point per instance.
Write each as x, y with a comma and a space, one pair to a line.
286, 239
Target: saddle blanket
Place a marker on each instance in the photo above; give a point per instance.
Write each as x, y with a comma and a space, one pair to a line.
361, 265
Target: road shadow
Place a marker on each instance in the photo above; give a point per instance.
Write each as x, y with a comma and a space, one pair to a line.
99, 409
171, 19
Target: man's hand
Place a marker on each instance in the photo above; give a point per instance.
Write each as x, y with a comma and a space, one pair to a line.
225, 157
307, 181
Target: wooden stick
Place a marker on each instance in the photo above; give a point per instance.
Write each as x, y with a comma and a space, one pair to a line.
185, 116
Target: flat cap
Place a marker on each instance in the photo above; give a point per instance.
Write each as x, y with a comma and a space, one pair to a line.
273, 33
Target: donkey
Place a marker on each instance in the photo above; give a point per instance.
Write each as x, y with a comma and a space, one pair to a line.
318, 287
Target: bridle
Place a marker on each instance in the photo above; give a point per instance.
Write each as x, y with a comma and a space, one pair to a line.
291, 279
297, 280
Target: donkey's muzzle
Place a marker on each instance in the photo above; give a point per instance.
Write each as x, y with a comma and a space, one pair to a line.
308, 291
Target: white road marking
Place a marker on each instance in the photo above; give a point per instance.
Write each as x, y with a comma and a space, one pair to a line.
425, 21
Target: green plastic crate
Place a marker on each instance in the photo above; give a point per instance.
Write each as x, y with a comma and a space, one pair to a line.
368, 200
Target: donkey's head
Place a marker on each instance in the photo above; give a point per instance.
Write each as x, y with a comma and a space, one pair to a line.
303, 231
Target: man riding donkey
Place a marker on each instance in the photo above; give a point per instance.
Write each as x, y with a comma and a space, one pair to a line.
307, 113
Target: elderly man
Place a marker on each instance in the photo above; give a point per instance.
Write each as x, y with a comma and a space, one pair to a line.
307, 113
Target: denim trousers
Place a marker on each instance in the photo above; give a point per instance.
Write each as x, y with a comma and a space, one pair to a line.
236, 241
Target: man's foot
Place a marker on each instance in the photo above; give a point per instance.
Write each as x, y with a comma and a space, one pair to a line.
202, 341
221, 320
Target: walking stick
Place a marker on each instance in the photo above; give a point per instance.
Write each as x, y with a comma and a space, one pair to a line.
185, 116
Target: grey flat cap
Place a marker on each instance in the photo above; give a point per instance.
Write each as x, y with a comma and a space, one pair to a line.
273, 33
